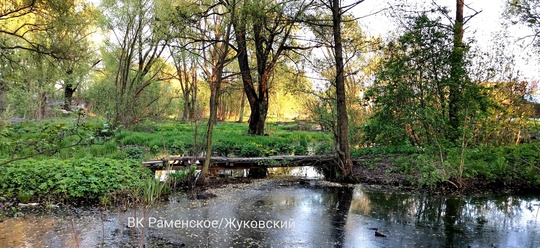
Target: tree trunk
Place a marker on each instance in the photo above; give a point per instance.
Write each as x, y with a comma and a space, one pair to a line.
342, 142
456, 74
242, 106
219, 59
256, 120
214, 87
186, 110
68, 96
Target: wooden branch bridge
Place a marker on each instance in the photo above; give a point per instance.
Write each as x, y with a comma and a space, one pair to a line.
232, 163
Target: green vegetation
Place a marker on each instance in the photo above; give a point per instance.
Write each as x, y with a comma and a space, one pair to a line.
515, 166
445, 108
108, 168
229, 139
72, 180
62, 161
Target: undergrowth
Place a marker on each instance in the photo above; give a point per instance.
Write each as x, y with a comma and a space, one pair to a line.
81, 180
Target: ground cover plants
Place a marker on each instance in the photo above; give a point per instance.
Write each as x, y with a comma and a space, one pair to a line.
110, 165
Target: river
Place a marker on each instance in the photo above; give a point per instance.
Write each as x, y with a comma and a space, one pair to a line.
290, 213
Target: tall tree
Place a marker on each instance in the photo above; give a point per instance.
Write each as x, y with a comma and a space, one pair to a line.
58, 29
140, 39
74, 22
457, 73
272, 24
185, 64
342, 144
215, 37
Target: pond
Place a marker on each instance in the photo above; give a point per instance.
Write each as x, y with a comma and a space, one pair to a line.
291, 213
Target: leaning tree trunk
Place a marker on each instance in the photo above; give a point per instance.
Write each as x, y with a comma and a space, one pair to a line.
210, 127
256, 102
342, 142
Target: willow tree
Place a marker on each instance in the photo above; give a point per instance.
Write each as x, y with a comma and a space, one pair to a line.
335, 10
139, 40
263, 29
208, 30
59, 30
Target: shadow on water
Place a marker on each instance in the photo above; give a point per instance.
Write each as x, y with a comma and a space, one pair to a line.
298, 213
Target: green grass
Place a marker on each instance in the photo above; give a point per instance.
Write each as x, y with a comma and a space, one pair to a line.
178, 138
149, 140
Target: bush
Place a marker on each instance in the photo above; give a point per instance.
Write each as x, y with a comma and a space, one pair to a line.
300, 150
506, 163
251, 150
134, 152
420, 169
323, 149
223, 148
82, 179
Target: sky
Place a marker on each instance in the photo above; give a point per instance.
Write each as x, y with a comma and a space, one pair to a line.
482, 27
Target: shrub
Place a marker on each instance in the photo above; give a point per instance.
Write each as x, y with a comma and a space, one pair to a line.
300, 150
82, 179
323, 149
223, 148
251, 150
134, 152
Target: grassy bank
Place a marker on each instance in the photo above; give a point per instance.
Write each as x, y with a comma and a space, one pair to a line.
515, 168
148, 140
88, 162
65, 161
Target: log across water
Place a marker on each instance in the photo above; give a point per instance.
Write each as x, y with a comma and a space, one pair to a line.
224, 163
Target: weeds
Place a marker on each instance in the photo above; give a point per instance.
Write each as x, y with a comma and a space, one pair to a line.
73, 180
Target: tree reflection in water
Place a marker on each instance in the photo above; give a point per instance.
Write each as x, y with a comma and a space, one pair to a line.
451, 221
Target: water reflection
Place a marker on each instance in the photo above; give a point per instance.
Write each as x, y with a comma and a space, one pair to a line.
437, 221
322, 216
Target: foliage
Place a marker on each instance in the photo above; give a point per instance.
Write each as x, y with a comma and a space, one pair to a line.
251, 150
387, 150
421, 170
182, 177
324, 149
412, 89
526, 12
80, 179
29, 139
517, 163
229, 139
301, 148
133, 67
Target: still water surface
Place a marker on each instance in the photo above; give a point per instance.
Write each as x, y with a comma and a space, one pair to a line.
308, 213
